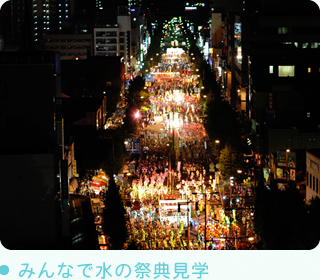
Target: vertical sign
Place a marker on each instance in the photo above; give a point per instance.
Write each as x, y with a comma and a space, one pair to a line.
74, 167
178, 166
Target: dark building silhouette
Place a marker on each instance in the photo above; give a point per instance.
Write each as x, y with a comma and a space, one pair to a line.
30, 150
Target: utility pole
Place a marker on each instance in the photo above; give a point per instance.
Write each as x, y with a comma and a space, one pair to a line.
188, 222
205, 216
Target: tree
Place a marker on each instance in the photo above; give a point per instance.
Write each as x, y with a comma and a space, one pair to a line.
231, 160
114, 222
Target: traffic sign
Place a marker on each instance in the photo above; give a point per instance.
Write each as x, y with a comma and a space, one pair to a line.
148, 77
132, 145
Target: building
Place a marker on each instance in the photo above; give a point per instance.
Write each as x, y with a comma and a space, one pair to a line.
268, 65
313, 175
115, 39
31, 148
70, 46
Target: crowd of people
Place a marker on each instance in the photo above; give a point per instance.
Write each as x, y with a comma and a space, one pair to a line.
174, 161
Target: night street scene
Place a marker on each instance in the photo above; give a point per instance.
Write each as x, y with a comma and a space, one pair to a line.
159, 125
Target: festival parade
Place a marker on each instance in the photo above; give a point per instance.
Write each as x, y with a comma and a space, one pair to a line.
173, 192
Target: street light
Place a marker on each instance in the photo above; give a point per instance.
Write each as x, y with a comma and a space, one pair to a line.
218, 144
287, 155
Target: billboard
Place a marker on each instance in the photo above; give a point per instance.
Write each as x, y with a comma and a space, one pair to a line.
282, 160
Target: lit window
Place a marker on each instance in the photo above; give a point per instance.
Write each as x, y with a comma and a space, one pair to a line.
282, 30
271, 69
309, 69
286, 70
314, 45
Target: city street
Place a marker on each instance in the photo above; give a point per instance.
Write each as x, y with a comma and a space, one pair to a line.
174, 172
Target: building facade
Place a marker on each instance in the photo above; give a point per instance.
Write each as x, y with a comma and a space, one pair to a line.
70, 46
313, 174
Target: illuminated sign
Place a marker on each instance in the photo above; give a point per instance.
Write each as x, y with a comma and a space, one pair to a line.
190, 8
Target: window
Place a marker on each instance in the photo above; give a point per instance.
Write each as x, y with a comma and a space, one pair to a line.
271, 69
310, 181
313, 183
307, 178
305, 45
286, 70
317, 187
282, 30
309, 69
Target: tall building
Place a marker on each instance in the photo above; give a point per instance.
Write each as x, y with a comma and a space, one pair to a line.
31, 147
268, 64
115, 39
